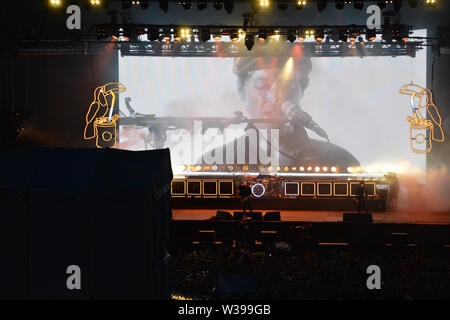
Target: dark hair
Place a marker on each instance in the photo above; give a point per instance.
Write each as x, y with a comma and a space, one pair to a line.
245, 66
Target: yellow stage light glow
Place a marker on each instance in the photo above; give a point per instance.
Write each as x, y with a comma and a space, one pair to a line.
95, 2
419, 122
309, 168
98, 126
302, 169
325, 169
333, 169
317, 169
264, 3
55, 3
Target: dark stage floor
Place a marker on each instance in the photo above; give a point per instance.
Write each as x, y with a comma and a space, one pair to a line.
394, 216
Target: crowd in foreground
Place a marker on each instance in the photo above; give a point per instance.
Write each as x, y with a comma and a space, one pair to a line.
314, 272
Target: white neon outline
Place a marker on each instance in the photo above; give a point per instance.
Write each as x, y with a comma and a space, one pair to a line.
258, 184
292, 194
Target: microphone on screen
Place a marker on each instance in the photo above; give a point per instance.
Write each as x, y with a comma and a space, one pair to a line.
295, 115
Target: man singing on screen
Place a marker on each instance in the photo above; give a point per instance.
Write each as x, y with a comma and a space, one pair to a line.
271, 88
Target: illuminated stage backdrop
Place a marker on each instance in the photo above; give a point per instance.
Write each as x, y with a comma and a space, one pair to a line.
353, 101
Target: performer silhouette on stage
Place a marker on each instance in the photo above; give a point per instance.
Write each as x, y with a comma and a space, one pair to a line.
361, 197
245, 193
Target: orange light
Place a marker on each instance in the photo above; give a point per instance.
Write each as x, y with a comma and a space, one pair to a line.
245, 168
317, 169
302, 168
309, 168
286, 169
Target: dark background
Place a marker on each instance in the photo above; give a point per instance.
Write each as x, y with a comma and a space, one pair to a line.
55, 90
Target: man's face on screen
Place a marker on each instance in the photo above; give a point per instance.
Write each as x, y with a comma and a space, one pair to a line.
266, 90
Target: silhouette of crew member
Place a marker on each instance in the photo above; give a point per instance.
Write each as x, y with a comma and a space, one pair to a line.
245, 192
361, 197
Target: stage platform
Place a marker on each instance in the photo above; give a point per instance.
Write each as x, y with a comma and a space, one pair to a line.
394, 216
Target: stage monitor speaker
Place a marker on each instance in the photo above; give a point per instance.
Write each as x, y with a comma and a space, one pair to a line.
255, 216
357, 217
238, 215
272, 216
224, 215
399, 239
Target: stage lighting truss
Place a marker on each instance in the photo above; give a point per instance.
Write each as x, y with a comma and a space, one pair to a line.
316, 40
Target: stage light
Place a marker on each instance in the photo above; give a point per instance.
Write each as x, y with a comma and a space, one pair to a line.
228, 5
291, 36
201, 5
382, 4
317, 169
167, 36
164, 5
350, 169
387, 35
339, 5
371, 34
276, 35
205, 35
282, 5
234, 37
262, 35
264, 3
431, 3
95, 3
245, 168
358, 4
186, 4
144, 4
319, 35
102, 32
321, 5
182, 33
294, 168
397, 5
55, 3
333, 169
153, 34
286, 169
299, 4
343, 35
354, 35
249, 41
126, 4
412, 3
217, 4
325, 169
302, 169
309, 168
217, 36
